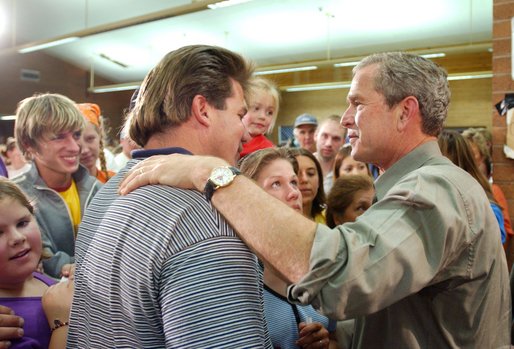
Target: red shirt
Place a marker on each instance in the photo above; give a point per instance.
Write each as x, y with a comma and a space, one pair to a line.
259, 142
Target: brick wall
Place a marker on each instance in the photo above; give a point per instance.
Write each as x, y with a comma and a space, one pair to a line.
503, 11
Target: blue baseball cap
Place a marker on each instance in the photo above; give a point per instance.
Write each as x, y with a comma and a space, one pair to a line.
306, 119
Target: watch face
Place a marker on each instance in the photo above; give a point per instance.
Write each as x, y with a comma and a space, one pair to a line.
221, 176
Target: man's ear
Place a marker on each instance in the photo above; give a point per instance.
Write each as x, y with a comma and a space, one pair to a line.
408, 109
201, 109
30, 149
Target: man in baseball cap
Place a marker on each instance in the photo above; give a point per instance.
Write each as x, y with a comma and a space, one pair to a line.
304, 128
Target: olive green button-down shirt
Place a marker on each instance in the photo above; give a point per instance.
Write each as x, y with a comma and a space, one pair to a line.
422, 268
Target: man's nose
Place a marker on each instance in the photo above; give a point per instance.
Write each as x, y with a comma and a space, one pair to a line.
348, 117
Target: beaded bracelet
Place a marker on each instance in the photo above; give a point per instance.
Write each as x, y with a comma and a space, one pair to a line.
58, 323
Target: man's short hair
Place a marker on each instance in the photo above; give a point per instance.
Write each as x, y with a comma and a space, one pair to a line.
167, 93
400, 75
45, 115
332, 118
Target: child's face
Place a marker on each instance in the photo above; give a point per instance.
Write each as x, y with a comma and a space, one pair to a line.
362, 200
261, 112
350, 166
58, 153
20, 243
90, 146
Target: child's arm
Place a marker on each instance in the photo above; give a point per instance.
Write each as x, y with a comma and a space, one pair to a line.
57, 304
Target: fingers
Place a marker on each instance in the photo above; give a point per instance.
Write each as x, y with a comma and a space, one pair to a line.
313, 335
139, 175
10, 326
68, 270
319, 344
10, 320
6, 310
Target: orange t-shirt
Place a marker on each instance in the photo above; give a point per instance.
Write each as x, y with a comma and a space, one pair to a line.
502, 201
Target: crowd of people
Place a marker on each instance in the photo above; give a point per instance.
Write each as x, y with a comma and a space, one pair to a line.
374, 229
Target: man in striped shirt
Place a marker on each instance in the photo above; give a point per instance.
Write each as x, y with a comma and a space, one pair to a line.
161, 268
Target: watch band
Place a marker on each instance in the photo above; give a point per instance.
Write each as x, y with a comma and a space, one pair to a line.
211, 187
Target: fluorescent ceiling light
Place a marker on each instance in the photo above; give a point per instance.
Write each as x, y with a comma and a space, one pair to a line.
433, 55
48, 44
226, 3
470, 76
114, 88
346, 64
8, 117
317, 87
285, 70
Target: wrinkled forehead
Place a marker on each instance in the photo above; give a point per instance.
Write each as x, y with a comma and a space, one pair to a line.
363, 81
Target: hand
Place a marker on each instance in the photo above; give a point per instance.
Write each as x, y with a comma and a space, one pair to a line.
68, 270
313, 336
57, 300
177, 170
11, 326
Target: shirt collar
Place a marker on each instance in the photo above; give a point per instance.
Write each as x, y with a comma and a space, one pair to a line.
410, 162
146, 153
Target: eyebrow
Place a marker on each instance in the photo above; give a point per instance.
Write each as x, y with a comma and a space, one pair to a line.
352, 97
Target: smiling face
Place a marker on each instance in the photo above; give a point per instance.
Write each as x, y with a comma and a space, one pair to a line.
371, 123
57, 156
90, 147
261, 112
20, 243
279, 180
362, 200
308, 177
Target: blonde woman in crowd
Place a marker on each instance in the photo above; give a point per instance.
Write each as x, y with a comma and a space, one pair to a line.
290, 326
92, 143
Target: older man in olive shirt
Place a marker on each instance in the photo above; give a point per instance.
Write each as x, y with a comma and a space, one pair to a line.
424, 266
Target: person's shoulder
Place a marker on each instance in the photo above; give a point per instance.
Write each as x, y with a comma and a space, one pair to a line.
47, 280
25, 181
167, 199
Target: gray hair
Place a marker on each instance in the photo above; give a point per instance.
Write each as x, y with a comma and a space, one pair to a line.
402, 74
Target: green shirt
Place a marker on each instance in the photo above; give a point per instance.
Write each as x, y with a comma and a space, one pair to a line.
422, 268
